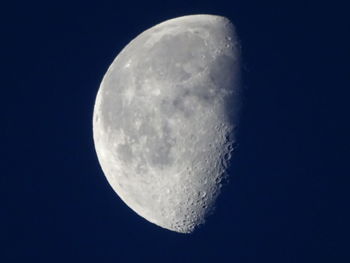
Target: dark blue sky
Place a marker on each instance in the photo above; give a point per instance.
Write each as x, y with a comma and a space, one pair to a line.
287, 197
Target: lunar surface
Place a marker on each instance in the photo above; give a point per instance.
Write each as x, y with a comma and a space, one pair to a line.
165, 119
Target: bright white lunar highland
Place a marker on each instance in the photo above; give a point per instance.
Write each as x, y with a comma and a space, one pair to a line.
165, 119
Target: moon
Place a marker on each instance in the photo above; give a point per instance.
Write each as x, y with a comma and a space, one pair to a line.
165, 119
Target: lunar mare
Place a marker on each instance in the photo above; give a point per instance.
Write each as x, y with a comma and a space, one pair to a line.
165, 119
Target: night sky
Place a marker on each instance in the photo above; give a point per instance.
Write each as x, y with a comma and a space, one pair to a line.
287, 196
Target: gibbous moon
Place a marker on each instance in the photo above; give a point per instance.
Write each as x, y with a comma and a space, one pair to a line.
165, 119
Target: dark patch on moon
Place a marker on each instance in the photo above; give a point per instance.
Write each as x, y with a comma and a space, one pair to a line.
124, 153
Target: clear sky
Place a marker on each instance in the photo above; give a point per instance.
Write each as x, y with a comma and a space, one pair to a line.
286, 198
